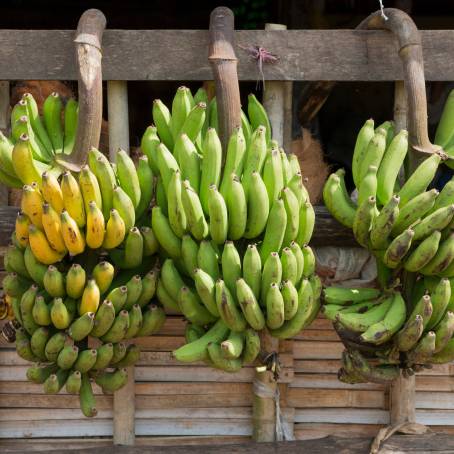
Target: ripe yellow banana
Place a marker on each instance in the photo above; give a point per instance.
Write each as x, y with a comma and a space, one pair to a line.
72, 236
95, 226
72, 199
41, 248
115, 230
32, 205
52, 228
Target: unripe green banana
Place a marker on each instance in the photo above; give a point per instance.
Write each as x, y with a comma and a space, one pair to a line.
54, 282
258, 207
104, 319
86, 398
446, 196
112, 381
444, 356
368, 186
34, 267
273, 175
14, 261
131, 357
162, 120
135, 322
104, 355
146, 183
390, 166
14, 285
86, 360
134, 289
442, 259
272, 272
148, 144
306, 223
231, 265
286, 169
211, 166
437, 220
119, 352
217, 211
117, 297
74, 382
289, 266
235, 199
398, 248
418, 181
82, 326
410, 334
165, 299
105, 175
149, 282
309, 261
382, 331
171, 279
388, 126
234, 161
232, 347
194, 122
41, 312
38, 342
252, 269
24, 351
75, 281
150, 242
205, 286
189, 161
228, 308
55, 382
373, 154
152, 322
192, 307
365, 135
40, 373
292, 327
424, 349
52, 109
258, 116
177, 216
292, 209
444, 331
255, 159
274, 307
125, 207
197, 350
423, 253
220, 362
118, 329
67, 357
133, 252
249, 305
164, 233
363, 221
54, 345
424, 308
277, 228
299, 256
414, 210
189, 251
345, 296
251, 346
296, 185
26, 308
207, 259
181, 105
440, 298
338, 201
70, 125
194, 213
290, 298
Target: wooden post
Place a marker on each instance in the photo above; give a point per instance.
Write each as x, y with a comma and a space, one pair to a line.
4, 127
124, 399
402, 391
288, 116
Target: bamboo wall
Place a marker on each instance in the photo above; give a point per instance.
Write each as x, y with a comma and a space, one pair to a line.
186, 404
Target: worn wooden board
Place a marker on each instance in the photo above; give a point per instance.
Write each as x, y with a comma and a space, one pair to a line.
303, 55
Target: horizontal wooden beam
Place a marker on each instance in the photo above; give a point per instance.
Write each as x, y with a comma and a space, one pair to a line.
338, 55
327, 232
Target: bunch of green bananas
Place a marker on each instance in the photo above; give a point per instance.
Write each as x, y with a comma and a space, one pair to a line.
444, 135
408, 324
234, 235
35, 141
58, 308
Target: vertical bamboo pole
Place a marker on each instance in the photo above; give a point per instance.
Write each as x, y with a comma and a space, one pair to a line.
4, 127
264, 408
124, 399
402, 391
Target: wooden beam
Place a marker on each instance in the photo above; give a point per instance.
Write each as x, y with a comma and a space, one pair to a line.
124, 398
342, 55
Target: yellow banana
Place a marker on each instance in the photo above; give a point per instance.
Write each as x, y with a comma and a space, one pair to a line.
22, 223
52, 228
90, 298
32, 205
115, 230
95, 226
41, 248
72, 236
72, 199
23, 163
89, 187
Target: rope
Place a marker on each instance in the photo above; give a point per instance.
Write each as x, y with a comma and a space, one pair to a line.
264, 391
382, 9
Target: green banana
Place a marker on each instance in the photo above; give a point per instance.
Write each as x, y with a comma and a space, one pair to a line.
14, 261
446, 196
70, 125
255, 159
343, 295
365, 135
177, 216
368, 186
127, 177
272, 272
289, 266
135, 322
258, 207
252, 269
277, 228
149, 282
55, 382
125, 207
54, 282
442, 259
373, 154
38, 342
74, 382
217, 211
274, 307
251, 346
440, 297
398, 248
189, 251
35, 120
272, 174
67, 357
82, 326
235, 199
192, 307
220, 362
205, 286
75, 281
309, 261
181, 105
194, 122
444, 356
40, 312
54, 345
171, 279
363, 221
52, 109
164, 233
424, 349
104, 318
131, 357
231, 265
165, 299
104, 354
233, 346
410, 334
194, 212
26, 308
306, 223
207, 259
234, 160
153, 319
437, 220
117, 296
87, 398
112, 381
423, 253
146, 184
228, 308
119, 352
189, 161
162, 120
150, 242
148, 144
39, 373
290, 299
418, 181
85, 360
444, 331
105, 175
134, 290
249, 305
424, 308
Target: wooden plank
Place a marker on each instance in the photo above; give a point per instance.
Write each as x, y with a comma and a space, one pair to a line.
435, 400
314, 366
303, 55
435, 417
317, 350
318, 335
337, 416
308, 431
50, 401
335, 398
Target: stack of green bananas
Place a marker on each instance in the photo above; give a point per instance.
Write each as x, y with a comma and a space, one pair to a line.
58, 309
409, 324
233, 235
101, 208
444, 135
35, 141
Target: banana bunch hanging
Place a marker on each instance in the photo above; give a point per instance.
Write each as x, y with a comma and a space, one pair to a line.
409, 323
234, 234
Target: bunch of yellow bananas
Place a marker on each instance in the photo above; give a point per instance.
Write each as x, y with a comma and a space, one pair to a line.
234, 234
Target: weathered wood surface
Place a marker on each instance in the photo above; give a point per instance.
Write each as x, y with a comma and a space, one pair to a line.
182, 54
436, 443
327, 231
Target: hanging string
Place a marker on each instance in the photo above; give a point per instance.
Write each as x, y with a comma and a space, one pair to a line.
382, 9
